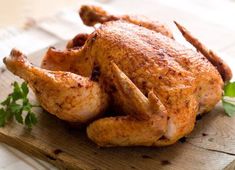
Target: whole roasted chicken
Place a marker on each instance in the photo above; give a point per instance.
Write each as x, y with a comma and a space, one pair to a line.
132, 65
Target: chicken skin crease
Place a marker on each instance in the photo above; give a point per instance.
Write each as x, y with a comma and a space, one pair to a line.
155, 85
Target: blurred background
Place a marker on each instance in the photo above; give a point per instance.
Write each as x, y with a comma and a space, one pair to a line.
18, 12
48, 22
59, 18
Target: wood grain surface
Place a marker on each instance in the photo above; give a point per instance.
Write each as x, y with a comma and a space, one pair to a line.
210, 146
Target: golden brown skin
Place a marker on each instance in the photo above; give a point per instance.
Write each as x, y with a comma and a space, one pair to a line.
184, 80
63, 94
148, 117
158, 83
78, 41
67, 60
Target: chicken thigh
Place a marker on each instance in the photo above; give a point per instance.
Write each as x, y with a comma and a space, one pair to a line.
157, 85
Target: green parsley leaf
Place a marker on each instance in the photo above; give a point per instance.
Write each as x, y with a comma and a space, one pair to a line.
2, 117
30, 119
7, 101
17, 93
19, 118
15, 105
229, 108
229, 91
34, 118
27, 107
25, 89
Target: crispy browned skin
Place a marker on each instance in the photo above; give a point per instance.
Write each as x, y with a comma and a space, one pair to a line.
92, 15
63, 94
221, 66
67, 60
147, 117
184, 80
158, 83
78, 41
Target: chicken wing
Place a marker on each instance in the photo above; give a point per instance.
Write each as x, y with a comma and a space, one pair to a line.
221, 66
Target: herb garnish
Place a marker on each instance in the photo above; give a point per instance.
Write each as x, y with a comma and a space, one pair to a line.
15, 105
228, 99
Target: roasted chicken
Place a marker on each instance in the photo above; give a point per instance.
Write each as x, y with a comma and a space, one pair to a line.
155, 85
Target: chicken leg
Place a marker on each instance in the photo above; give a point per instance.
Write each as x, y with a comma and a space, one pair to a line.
68, 96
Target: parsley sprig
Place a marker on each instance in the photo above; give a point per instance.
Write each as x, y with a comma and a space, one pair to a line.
228, 99
15, 105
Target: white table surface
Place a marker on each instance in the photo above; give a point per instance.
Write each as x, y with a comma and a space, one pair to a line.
211, 20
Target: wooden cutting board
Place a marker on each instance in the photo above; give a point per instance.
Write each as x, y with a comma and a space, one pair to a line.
210, 146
